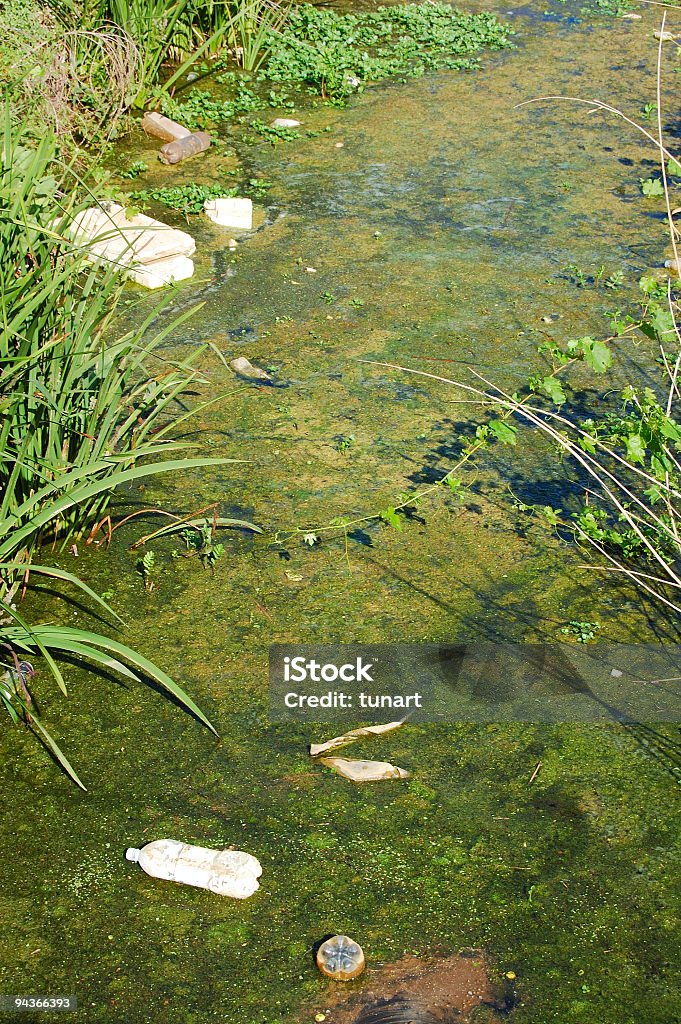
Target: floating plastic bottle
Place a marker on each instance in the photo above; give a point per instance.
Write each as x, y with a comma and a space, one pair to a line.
180, 149
225, 872
163, 128
340, 958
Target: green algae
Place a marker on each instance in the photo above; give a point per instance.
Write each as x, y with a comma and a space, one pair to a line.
456, 238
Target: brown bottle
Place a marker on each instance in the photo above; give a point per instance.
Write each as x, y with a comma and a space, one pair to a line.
180, 149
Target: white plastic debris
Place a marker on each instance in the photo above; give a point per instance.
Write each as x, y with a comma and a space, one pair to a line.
110, 235
244, 368
161, 272
285, 122
349, 737
364, 771
162, 127
230, 213
225, 872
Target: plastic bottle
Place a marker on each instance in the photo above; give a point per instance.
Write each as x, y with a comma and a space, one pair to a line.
340, 958
225, 872
163, 128
180, 149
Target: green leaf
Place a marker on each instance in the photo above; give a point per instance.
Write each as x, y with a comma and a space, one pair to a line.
652, 188
674, 167
506, 433
670, 429
390, 516
61, 637
661, 319
597, 355
636, 448
552, 387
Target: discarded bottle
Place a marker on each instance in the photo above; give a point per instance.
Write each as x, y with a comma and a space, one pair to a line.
180, 149
340, 958
163, 128
225, 872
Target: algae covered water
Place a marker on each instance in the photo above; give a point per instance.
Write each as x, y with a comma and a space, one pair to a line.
439, 234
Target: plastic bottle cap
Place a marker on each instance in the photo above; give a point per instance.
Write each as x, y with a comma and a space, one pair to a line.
132, 854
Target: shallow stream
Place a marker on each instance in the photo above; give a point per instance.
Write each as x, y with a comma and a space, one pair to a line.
441, 232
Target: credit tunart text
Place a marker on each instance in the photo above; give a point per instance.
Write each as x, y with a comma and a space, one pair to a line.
360, 701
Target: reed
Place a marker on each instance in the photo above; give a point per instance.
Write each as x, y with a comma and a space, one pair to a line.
81, 412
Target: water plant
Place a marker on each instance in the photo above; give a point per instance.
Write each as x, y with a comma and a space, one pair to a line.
337, 53
185, 199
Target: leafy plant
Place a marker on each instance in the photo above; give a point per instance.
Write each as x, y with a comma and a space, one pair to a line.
336, 53
145, 567
652, 188
135, 169
273, 133
184, 198
582, 632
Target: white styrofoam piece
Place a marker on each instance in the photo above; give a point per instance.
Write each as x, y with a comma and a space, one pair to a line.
161, 272
230, 213
285, 122
110, 236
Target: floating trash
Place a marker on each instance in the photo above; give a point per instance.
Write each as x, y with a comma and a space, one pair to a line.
225, 872
364, 771
340, 958
349, 737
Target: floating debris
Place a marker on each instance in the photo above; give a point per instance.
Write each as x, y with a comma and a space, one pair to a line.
364, 771
349, 737
162, 127
340, 958
182, 148
244, 368
225, 872
149, 252
230, 212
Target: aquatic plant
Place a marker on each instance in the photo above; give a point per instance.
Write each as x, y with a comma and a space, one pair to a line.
255, 27
337, 53
185, 199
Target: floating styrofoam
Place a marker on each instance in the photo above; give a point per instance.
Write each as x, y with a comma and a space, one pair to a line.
285, 122
109, 235
230, 213
161, 272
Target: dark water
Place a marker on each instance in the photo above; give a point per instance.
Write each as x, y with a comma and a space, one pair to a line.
449, 216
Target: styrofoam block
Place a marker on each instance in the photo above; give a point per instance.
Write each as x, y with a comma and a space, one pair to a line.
161, 272
230, 213
109, 235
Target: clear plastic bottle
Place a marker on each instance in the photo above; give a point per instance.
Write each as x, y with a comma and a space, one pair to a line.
225, 872
340, 958
180, 149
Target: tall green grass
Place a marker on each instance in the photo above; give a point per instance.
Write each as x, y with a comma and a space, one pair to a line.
79, 413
